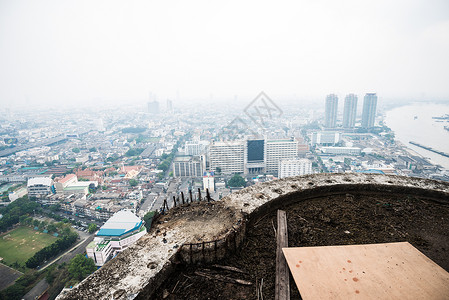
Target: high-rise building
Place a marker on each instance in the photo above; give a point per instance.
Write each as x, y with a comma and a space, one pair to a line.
330, 120
369, 110
294, 167
350, 111
188, 166
278, 150
196, 147
153, 107
255, 156
228, 156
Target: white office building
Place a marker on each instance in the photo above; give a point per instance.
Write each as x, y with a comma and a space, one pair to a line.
228, 156
325, 138
123, 229
278, 150
196, 147
294, 167
39, 187
62, 183
189, 166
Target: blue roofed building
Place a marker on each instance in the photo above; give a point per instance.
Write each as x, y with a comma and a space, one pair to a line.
123, 229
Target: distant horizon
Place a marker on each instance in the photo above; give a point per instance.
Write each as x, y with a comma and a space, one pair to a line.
239, 104
88, 52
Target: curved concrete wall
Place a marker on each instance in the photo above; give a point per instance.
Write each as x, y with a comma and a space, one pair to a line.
138, 271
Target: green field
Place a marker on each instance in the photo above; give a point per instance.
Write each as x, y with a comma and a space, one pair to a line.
21, 243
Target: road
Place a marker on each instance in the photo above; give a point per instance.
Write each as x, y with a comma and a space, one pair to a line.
80, 247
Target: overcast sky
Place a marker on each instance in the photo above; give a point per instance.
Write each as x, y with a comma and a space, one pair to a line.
84, 51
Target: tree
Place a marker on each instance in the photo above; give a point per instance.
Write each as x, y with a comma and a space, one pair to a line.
51, 227
28, 221
218, 170
148, 218
92, 227
92, 188
51, 250
133, 182
80, 267
133, 130
236, 181
55, 207
93, 149
22, 219
164, 165
134, 152
76, 150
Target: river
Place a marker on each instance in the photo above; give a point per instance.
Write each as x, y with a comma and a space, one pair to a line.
414, 123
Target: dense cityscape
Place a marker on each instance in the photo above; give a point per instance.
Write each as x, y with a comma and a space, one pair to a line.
88, 169
209, 150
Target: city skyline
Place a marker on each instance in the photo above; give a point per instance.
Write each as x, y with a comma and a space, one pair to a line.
142, 138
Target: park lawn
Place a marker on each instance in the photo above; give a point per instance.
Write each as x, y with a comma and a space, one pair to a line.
21, 243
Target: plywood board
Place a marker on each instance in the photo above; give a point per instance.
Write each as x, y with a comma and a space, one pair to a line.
377, 271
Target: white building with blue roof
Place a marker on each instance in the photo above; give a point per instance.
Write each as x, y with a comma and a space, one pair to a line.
123, 229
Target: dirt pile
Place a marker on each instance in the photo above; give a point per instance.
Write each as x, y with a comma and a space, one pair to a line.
202, 221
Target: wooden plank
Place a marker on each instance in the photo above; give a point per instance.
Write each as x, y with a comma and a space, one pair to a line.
282, 287
378, 271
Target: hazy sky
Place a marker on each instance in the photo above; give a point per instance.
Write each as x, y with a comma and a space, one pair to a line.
86, 51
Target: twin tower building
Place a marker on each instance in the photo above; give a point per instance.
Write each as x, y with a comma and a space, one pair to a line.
350, 111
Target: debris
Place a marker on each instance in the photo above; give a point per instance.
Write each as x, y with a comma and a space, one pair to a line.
223, 278
234, 269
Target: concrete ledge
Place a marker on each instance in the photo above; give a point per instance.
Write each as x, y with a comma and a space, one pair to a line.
139, 271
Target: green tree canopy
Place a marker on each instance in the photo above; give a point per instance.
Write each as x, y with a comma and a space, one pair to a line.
148, 218
133, 182
76, 150
92, 227
134, 152
236, 181
51, 227
80, 267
